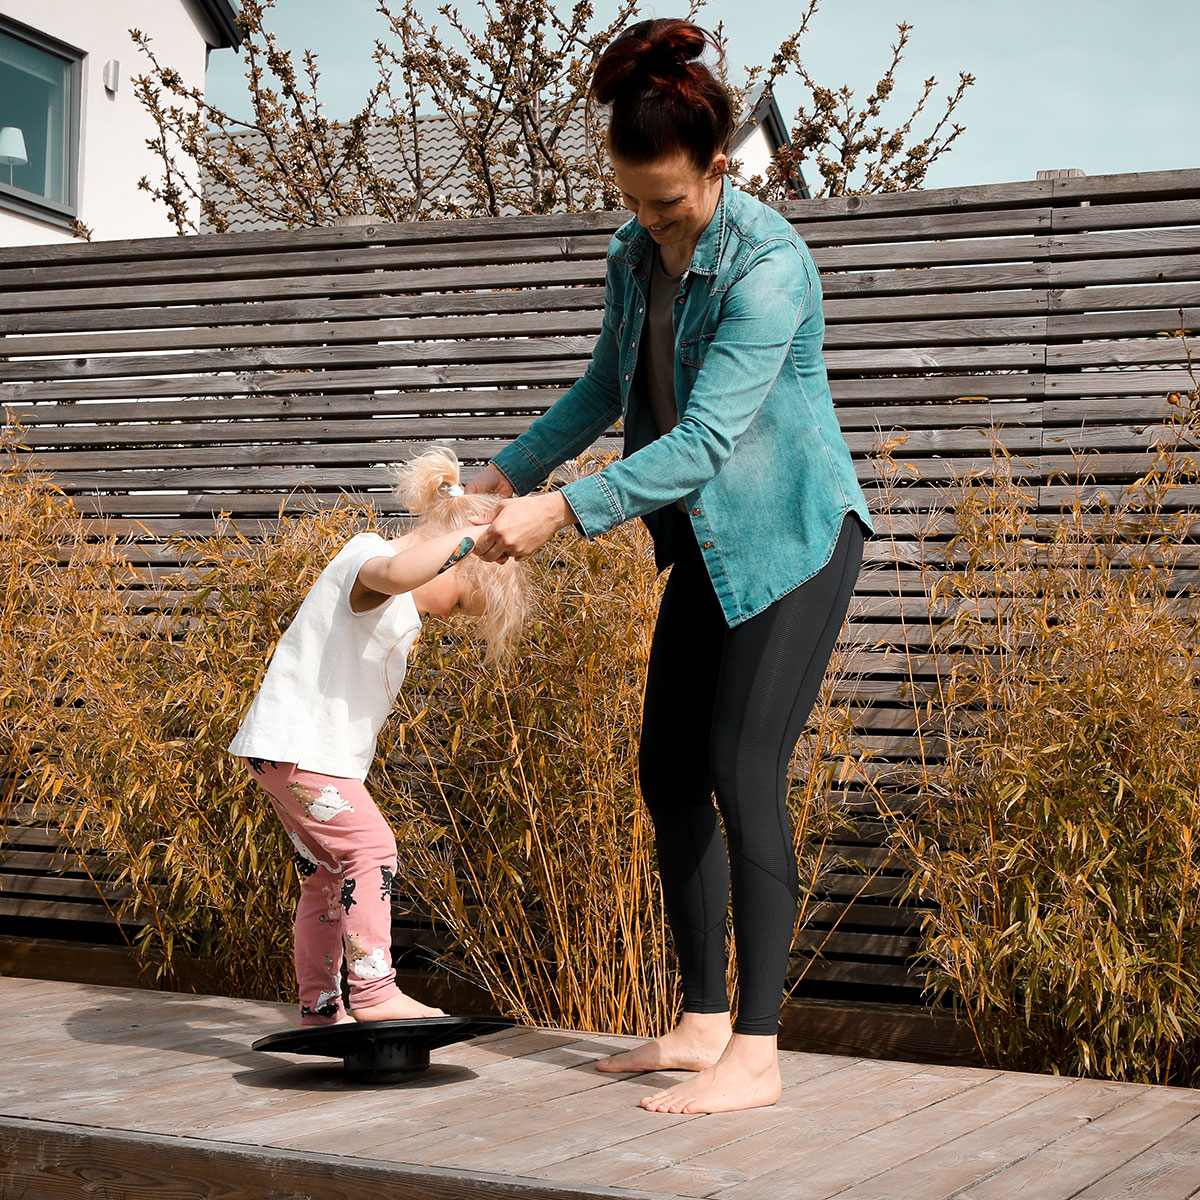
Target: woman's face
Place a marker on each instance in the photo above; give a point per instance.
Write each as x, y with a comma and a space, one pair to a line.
672, 199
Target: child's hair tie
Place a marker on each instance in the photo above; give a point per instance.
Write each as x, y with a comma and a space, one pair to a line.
456, 490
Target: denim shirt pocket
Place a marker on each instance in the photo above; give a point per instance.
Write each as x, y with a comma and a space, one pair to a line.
692, 351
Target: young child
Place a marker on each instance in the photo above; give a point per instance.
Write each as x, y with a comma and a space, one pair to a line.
309, 736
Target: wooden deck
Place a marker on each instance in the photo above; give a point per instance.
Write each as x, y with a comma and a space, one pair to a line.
123, 1094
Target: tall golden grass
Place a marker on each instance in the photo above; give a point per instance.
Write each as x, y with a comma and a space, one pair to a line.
512, 791
1054, 809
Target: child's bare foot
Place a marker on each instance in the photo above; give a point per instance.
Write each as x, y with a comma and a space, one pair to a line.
398, 1008
746, 1076
694, 1044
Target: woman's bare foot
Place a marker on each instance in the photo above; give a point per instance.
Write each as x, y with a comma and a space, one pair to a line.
399, 1008
746, 1076
695, 1043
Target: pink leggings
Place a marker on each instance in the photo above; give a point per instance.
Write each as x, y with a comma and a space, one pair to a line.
346, 860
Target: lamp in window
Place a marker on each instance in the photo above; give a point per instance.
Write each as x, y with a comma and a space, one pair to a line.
12, 149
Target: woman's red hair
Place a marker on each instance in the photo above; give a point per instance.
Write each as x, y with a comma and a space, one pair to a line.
664, 101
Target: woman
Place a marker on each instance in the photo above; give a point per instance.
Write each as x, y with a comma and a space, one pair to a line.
711, 352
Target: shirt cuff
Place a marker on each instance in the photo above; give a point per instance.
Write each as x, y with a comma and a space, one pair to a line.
594, 504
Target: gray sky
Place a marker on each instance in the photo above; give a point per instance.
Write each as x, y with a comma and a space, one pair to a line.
1108, 86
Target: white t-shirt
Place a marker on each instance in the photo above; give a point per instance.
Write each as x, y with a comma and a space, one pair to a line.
334, 675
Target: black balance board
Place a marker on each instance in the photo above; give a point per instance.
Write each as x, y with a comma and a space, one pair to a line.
381, 1050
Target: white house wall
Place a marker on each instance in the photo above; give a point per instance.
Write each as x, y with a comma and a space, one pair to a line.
113, 127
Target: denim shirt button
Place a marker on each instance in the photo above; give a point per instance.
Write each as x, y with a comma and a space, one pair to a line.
708, 545
695, 512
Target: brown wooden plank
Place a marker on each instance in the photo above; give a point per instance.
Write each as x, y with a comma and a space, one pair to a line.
265, 358
14, 908
383, 283
59, 1160
1147, 321
988, 196
1128, 188
1126, 1147
941, 280
220, 313
948, 305
973, 251
1168, 1170
1108, 244
287, 260
822, 1119
1107, 215
1108, 271
1126, 352
909, 1135
286, 382
998, 1144
330, 237
980, 331
914, 225
1138, 295
520, 324
86, 414
1118, 383
490, 350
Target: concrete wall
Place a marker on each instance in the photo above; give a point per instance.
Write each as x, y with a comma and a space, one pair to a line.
113, 127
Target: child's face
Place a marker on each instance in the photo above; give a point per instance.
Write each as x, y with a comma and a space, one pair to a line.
450, 592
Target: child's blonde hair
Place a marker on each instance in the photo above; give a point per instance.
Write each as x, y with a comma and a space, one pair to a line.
430, 487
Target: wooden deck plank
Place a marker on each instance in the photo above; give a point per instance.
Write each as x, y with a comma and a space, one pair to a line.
1086, 1157
760, 1164
58, 1161
942, 1172
555, 1131
740, 1146
898, 1138
1169, 1170
107, 1084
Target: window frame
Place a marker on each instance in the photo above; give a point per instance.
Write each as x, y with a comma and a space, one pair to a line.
30, 204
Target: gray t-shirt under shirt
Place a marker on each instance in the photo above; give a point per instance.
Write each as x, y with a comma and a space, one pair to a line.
656, 361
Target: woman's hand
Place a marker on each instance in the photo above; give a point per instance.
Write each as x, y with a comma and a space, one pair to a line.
490, 481
522, 525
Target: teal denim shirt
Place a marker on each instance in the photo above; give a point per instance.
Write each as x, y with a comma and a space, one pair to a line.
757, 456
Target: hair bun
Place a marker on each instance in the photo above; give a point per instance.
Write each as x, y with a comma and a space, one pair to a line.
653, 55
676, 42
426, 478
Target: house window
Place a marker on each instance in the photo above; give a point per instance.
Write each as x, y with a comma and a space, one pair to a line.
39, 124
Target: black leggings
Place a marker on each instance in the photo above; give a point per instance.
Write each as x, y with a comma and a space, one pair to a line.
723, 712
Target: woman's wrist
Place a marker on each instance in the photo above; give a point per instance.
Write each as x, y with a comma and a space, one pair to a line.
564, 514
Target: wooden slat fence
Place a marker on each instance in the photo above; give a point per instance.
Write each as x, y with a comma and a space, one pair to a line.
165, 381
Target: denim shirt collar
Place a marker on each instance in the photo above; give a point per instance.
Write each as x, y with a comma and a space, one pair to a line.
707, 256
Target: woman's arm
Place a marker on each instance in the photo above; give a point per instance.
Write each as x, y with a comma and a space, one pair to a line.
416, 564
759, 318
573, 422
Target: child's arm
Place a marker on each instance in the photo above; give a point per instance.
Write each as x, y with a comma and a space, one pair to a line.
418, 563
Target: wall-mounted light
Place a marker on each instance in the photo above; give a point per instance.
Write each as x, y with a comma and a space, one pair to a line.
112, 75
12, 149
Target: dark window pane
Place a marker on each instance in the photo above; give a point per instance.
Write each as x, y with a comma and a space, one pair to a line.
35, 97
